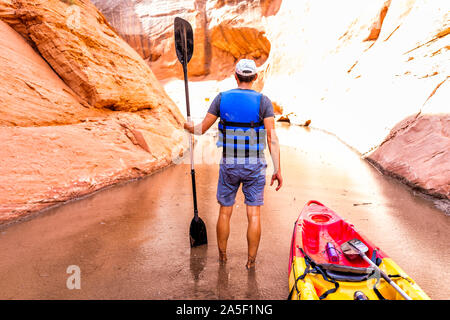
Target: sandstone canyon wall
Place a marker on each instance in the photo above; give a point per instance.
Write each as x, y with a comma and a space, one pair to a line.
374, 73
79, 108
224, 31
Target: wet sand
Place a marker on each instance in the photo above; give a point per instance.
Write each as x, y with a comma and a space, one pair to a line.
131, 241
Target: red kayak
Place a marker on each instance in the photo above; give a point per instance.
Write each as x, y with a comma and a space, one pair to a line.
319, 268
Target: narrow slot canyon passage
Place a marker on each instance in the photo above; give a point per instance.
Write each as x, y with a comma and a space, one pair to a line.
92, 109
131, 241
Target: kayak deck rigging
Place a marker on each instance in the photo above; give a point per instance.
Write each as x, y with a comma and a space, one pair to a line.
319, 269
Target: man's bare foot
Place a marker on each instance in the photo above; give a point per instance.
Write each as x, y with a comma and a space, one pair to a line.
222, 256
251, 262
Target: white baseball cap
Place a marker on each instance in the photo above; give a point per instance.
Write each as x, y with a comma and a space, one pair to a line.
246, 67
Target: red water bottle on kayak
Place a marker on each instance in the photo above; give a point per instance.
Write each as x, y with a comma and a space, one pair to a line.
332, 253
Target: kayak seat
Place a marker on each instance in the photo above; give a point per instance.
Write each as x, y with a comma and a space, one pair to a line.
346, 269
347, 273
346, 276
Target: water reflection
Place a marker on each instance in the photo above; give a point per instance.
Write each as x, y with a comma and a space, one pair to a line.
224, 292
198, 261
131, 241
252, 285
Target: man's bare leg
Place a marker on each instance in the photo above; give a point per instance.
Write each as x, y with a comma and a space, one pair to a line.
223, 231
253, 234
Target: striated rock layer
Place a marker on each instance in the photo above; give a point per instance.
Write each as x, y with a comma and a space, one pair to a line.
224, 31
362, 70
79, 108
417, 146
88, 55
31, 93
417, 150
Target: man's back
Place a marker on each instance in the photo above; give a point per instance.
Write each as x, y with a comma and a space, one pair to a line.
246, 121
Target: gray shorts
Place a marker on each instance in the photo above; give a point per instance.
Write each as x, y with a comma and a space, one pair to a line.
252, 177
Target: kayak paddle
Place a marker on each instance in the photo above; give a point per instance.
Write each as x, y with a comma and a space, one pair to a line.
356, 246
184, 46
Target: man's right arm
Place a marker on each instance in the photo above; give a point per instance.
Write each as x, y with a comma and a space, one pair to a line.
210, 118
202, 127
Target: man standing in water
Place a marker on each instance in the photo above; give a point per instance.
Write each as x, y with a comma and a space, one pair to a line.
246, 120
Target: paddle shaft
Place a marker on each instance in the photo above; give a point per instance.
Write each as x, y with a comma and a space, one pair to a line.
385, 276
191, 140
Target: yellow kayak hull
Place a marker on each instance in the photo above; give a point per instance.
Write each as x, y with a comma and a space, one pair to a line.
314, 285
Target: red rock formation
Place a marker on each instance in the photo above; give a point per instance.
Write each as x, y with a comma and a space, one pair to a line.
45, 166
375, 29
8, 15
418, 148
94, 61
270, 7
418, 151
28, 98
224, 31
62, 140
372, 66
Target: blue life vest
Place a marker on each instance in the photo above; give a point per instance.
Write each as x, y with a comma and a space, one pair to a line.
241, 128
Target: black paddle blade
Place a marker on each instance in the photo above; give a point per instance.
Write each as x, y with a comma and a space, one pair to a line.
184, 40
197, 233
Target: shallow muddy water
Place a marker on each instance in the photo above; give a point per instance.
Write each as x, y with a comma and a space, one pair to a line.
131, 241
